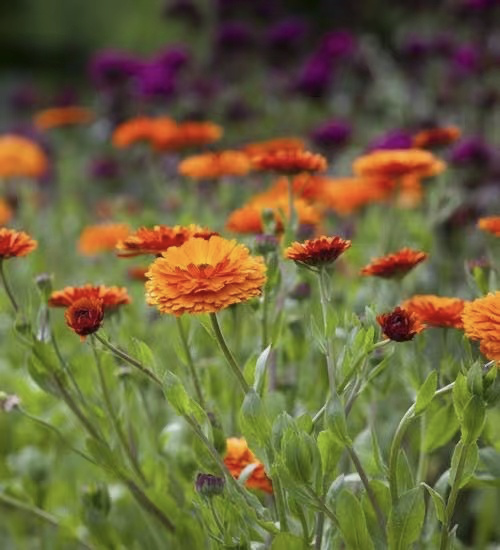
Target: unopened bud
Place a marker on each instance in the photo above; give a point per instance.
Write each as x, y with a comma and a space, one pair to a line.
44, 284
209, 485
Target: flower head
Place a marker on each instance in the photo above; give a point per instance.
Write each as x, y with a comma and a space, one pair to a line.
490, 224
290, 161
398, 162
109, 296
204, 276
347, 195
215, 165
185, 135
15, 243
238, 457
209, 485
481, 319
400, 325
273, 145
394, 265
136, 130
436, 311
436, 137
85, 316
21, 157
62, 116
102, 237
317, 252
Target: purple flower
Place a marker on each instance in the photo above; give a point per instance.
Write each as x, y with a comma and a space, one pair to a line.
209, 485
471, 151
233, 35
173, 58
338, 44
154, 81
315, 77
286, 34
104, 168
415, 48
109, 68
334, 133
465, 60
394, 139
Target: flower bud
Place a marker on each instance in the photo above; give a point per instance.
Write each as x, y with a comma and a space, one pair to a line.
265, 244
44, 284
209, 485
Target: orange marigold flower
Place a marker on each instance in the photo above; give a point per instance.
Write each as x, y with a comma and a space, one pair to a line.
398, 163
400, 325
21, 157
395, 265
238, 457
481, 319
102, 237
490, 224
204, 276
290, 161
436, 311
318, 252
110, 296
85, 316
62, 116
135, 130
15, 243
273, 145
436, 137
185, 135
305, 186
159, 239
6, 212
215, 165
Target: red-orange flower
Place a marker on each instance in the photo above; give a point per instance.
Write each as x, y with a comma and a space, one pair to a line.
272, 145
85, 316
215, 165
159, 239
109, 296
290, 161
185, 135
481, 319
238, 457
138, 273
21, 157
395, 265
62, 116
6, 212
15, 243
436, 311
436, 137
400, 325
135, 130
490, 224
102, 237
204, 276
318, 252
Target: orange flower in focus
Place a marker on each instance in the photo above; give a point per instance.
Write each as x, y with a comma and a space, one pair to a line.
15, 243
62, 116
272, 145
21, 157
490, 224
135, 130
436, 311
238, 457
159, 239
185, 135
290, 161
102, 237
318, 252
347, 195
398, 162
6, 212
436, 137
110, 296
395, 265
481, 319
215, 165
204, 276
85, 316
400, 325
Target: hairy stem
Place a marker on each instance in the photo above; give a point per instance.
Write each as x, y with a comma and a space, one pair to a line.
190, 364
7, 288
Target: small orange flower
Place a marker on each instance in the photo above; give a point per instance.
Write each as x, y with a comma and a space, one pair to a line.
481, 320
395, 265
204, 276
490, 224
215, 165
185, 135
305, 186
290, 161
398, 162
436, 311
6, 212
347, 195
62, 116
21, 157
85, 316
272, 145
138, 273
318, 252
15, 243
238, 457
102, 237
134, 130
400, 325
159, 239
436, 137
110, 296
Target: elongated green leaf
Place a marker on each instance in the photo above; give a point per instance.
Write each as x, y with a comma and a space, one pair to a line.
470, 462
439, 503
254, 420
287, 541
442, 424
260, 370
352, 522
461, 395
406, 520
473, 419
426, 393
335, 420
404, 472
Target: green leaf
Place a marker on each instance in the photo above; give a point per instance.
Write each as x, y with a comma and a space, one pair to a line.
471, 459
254, 420
336, 421
287, 541
317, 335
475, 379
330, 451
442, 424
300, 455
490, 461
352, 522
406, 520
404, 472
473, 420
439, 503
178, 397
461, 396
426, 393
260, 370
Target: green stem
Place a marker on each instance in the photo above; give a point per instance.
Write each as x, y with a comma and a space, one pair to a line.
228, 355
217, 520
190, 363
265, 304
422, 456
280, 503
290, 224
7, 288
303, 523
320, 524
328, 353
323, 507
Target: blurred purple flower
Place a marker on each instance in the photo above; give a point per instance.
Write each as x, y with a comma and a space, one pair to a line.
338, 44
104, 168
334, 133
286, 34
108, 68
478, 5
233, 35
471, 151
315, 76
415, 47
442, 44
394, 139
173, 58
154, 81
465, 60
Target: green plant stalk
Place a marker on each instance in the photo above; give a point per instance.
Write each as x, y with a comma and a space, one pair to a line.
264, 321
7, 288
323, 507
320, 524
228, 355
422, 456
290, 225
330, 365
217, 520
280, 503
303, 523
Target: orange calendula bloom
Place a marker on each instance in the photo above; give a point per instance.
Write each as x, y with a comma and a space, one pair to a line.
211, 166
490, 224
102, 237
204, 276
15, 243
400, 325
481, 319
85, 316
62, 116
398, 162
110, 296
21, 157
395, 265
6, 212
185, 135
318, 252
159, 239
436, 311
347, 195
238, 457
436, 137
272, 145
290, 161
135, 130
